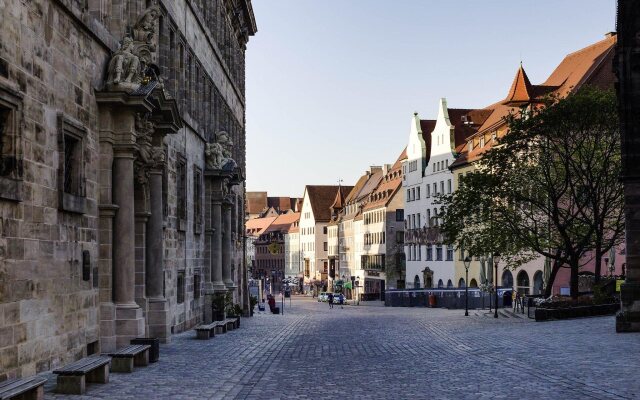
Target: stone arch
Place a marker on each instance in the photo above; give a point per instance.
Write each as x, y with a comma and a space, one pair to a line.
473, 283
416, 282
440, 284
461, 283
507, 279
538, 282
449, 284
523, 282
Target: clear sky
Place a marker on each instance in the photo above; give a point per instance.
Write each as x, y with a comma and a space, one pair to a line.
332, 84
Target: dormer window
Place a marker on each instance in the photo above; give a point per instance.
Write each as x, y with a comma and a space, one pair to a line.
470, 145
482, 141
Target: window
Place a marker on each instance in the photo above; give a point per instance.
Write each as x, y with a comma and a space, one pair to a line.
470, 145
429, 252
434, 167
428, 188
435, 188
449, 186
447, 163
325, 246
324, 230
439, 252
71, 164
428, 221
442, 187
419, 224
482, 141
418, 193
399, 214
197, 200
180, 288
450, 252
399, 237
196, 286
461, 253
10, 148
181, 188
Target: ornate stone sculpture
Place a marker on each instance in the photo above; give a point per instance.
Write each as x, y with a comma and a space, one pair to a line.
145, 153
218, 153
130, 65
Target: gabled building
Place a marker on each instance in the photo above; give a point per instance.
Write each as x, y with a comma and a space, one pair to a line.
260, 205
588, 66
253, 229
382, 263
430, 152
315, 215
270, 250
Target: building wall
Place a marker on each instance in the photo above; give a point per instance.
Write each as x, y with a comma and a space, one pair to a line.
53, 57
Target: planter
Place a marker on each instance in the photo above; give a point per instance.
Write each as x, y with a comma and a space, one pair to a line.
544, 314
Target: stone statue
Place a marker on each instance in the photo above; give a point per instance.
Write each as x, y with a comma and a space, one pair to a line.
218, 153
124, 67
144, 150
132, 64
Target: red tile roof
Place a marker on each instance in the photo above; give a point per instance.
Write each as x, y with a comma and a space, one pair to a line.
388, 186
321, 197
257, 226
283, 223
590, 65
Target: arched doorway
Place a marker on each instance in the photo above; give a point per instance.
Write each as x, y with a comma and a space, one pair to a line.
507, 279
461, 283
440, 284
523, 282
428, 277
538, 282
416, 282
473, 283
449, 284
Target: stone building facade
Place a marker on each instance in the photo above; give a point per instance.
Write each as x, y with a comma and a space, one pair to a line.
122, 172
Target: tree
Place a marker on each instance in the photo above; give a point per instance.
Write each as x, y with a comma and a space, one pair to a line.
549, 187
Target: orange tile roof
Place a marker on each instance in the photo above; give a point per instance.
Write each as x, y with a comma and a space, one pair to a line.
283, 223
521, 89
590, 65
256, 202
388, 186
257, 226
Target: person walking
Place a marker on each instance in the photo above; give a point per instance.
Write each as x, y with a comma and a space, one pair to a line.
330, 297
341, 300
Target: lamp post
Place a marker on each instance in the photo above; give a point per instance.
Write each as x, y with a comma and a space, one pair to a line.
467, 263
496, 260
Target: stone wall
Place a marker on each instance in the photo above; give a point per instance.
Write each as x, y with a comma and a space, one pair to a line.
56, 248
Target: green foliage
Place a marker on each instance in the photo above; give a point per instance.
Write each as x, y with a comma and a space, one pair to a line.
549, 187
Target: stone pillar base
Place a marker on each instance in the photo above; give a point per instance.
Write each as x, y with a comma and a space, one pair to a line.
107, 327
628, 319
219, 287
129, 323
158, 320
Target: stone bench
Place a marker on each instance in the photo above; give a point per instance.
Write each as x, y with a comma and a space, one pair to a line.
72, 379
24, 389
127, 357
232, 323
204, 332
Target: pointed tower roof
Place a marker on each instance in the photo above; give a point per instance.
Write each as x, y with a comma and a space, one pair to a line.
521, 89
338, 202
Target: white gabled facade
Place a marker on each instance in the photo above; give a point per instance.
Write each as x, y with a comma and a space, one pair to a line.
430, 262
307, 240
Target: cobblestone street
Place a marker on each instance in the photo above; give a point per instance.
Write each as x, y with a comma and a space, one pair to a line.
368, 351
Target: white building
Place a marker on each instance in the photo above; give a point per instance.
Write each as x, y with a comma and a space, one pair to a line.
430, 152
292, 266
315, 214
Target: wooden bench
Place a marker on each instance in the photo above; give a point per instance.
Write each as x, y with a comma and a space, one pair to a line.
72, 379
24, 389
127, 357
204, 332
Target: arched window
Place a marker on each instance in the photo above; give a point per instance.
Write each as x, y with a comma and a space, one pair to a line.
440, 284
461, 283
449, 284
538, 282
473, 283
416, 282
523, 282
507, 279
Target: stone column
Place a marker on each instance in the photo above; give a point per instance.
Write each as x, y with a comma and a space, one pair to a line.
158, 313
628, 57
129, 319
227, 247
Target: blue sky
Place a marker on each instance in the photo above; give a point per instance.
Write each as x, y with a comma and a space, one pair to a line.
332, 84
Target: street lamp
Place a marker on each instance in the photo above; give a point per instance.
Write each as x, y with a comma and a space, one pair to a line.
496, 260
467, 263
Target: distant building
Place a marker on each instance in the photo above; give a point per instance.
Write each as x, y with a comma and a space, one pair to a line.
259, 205
270, 250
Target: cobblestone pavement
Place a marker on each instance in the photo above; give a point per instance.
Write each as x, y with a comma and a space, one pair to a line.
375, 352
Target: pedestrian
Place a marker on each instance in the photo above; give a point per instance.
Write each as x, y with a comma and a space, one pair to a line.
330, 297
341, 300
